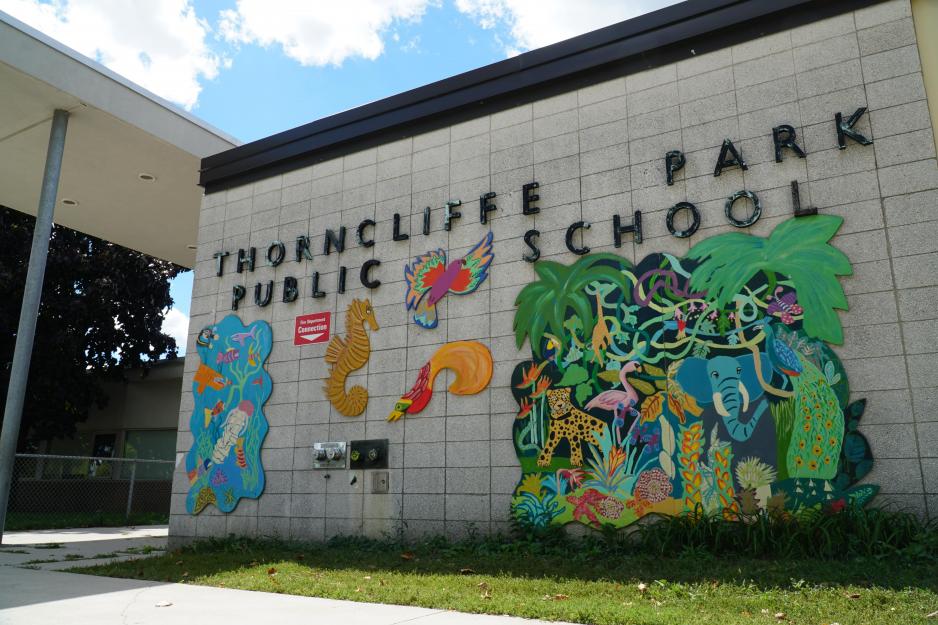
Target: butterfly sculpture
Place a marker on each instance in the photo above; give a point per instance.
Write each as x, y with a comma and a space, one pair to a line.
430, 277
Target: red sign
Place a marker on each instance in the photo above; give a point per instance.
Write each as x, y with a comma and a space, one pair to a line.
312, 328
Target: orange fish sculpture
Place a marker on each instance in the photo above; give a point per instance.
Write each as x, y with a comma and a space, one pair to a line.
470, 361
206, 376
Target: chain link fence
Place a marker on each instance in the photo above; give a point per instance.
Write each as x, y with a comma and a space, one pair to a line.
50, 492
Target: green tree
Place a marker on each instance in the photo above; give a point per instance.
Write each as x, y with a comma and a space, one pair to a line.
543, 305
797, 248
102, 312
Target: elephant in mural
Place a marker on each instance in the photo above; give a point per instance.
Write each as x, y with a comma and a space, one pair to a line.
716, 367
731, 385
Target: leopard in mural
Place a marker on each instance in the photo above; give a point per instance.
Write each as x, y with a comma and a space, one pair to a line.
567, 422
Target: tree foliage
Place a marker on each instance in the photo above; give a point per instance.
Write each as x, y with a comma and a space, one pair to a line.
797, 248
543, 305
101, 313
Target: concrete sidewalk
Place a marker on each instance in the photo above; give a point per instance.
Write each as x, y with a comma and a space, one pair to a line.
68, 548
36, 597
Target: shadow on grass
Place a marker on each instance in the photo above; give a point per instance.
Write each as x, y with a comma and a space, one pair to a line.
584, 561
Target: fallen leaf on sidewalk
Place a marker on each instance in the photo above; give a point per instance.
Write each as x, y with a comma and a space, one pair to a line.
163, 604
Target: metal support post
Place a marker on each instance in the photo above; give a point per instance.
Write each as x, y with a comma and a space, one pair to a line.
22, 353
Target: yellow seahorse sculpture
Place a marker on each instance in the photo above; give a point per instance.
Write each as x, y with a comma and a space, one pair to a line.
347, 355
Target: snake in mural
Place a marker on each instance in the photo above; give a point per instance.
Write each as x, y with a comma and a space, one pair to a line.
702, 384
348, 355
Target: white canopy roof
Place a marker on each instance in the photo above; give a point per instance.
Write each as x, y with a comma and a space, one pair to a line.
116, 132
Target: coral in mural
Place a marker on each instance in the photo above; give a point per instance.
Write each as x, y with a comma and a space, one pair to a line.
702, 384
228, 424
430, 277
471, 364
350, 354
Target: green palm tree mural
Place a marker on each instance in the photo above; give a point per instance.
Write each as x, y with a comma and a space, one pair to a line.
543, 306
797, 248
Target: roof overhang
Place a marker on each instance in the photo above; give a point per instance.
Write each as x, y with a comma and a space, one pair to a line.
671, 34
116, 131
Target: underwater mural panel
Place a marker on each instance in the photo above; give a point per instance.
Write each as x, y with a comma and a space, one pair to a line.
228, 425
702, 385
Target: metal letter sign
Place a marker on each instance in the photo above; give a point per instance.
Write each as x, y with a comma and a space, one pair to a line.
312, 328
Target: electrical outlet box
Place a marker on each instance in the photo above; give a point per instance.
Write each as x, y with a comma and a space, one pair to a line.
380, 482
329, 455
370, 454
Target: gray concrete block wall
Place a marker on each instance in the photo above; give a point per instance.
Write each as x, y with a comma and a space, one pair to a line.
596, 152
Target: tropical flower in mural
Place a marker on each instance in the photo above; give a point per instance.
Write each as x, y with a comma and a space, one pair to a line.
702, 384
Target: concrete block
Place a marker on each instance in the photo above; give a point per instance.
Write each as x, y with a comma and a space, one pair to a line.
928, 438
423, 507
922, 371
763, 69
895, 91
827, 51
468, 480
822, 29
467, 507
886, 36
761, 47
908, 177
882, 13
924, 400
916, 271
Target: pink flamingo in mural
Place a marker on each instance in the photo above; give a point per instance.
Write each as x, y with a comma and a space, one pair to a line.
619, 401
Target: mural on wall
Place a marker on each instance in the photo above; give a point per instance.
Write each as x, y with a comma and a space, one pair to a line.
350, 354
702, 384
430, 277
228, 424
471, 364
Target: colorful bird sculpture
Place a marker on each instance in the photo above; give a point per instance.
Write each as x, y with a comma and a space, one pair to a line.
430, 277
470, 361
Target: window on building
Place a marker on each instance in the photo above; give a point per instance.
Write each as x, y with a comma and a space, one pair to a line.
151, 445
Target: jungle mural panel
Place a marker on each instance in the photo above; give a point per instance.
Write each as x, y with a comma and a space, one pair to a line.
228, 424
704, 384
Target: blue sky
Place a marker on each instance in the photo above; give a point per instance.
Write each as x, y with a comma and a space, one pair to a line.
253, 68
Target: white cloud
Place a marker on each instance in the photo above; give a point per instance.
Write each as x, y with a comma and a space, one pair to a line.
537, 23
176, 325
318, 33
158, 44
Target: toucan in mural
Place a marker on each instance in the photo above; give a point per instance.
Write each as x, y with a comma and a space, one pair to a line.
228, 424
703, 384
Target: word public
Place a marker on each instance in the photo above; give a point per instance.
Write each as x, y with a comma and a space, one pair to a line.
784, 137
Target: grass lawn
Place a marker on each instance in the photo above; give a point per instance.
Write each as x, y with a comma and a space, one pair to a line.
584, 587
17, 521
